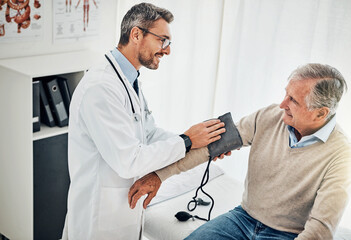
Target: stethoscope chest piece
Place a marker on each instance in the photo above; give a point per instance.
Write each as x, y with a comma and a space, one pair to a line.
136, 117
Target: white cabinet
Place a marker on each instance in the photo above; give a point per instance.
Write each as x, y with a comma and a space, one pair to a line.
17, 139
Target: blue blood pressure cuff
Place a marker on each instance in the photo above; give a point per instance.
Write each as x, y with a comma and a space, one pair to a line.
230, 139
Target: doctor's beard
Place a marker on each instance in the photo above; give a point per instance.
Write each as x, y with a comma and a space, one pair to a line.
151, 61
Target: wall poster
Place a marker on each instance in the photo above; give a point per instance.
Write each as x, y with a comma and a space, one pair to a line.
20, 20
75, 19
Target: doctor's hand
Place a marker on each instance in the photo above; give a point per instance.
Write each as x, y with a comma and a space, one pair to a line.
149, 184
205, 133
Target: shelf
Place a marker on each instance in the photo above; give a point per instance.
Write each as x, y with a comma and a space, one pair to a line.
54, 63
35, 164
46, 132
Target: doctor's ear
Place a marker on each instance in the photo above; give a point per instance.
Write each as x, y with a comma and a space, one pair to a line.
136, 34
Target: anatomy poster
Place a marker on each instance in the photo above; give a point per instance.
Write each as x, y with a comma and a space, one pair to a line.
75, 19
20, 20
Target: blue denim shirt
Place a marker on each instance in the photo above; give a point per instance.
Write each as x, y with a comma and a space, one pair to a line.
321, 135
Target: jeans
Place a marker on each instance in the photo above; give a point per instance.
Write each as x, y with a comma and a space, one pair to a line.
238, 225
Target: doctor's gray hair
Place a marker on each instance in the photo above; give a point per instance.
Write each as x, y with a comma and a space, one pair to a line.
328, 90
142, 15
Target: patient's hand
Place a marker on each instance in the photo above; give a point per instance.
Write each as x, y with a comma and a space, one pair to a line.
149, 184
222, 155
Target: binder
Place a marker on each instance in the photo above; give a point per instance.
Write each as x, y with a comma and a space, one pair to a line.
45, 110
36, 106
56, 103
66, 96
72, 84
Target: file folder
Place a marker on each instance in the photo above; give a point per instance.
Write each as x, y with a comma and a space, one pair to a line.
45, 110
36, 106
66, 96
56, 103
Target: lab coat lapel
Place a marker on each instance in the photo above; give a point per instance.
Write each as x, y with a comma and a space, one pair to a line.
130, 88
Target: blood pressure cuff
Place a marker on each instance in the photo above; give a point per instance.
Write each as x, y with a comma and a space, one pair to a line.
230, 139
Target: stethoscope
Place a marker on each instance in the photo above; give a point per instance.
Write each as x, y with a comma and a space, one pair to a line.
136, 116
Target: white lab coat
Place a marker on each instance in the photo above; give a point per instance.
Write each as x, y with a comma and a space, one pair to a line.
107, 151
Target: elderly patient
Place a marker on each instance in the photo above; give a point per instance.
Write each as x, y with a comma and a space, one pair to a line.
299, 169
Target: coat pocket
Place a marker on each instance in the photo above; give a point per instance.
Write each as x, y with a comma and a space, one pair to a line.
114, 212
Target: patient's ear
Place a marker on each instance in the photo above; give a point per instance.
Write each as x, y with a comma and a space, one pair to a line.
322, 113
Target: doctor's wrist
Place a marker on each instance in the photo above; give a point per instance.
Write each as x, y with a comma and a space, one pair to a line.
187, 142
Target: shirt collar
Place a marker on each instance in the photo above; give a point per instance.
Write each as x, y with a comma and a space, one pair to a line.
323, 133
128, 69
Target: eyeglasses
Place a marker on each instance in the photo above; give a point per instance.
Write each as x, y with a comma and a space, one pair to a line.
165, 41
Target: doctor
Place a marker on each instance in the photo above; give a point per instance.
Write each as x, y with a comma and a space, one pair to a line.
113, 139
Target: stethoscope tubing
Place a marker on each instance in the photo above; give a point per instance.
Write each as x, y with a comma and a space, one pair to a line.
120, 78
135, 115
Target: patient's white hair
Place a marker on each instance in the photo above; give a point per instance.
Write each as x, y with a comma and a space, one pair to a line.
328, 90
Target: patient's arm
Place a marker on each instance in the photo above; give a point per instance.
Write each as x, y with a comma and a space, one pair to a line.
192, 159
330, 202
150, 183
